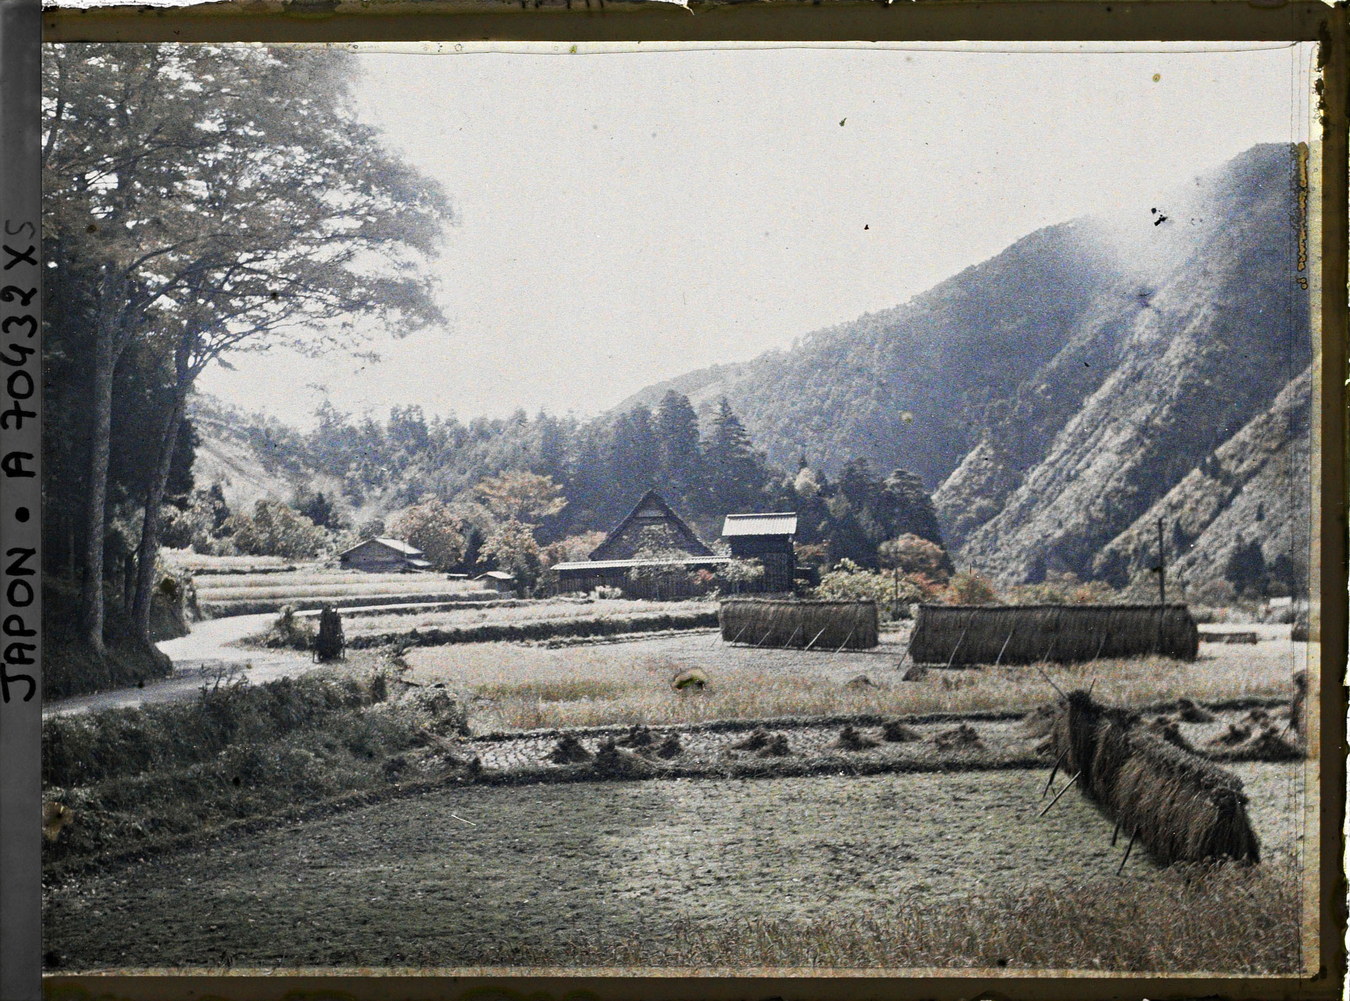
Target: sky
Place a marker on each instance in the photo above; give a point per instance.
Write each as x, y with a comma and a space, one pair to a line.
625, 217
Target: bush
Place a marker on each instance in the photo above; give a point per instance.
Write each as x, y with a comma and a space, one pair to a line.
850, 582
276, 529
288, 632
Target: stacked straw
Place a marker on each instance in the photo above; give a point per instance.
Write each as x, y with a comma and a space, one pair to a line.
806, 625
1027, 634
1181, 807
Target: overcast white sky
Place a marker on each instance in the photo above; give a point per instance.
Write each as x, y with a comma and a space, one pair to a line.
626, 217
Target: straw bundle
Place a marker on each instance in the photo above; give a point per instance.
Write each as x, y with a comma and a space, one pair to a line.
1180, 806
1026, 634
807, 625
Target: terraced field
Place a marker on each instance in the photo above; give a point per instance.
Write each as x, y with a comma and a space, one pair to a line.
219, 595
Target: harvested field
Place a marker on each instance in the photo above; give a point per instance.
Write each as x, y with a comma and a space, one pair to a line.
921, 869
591, 684
515, 612
249, 594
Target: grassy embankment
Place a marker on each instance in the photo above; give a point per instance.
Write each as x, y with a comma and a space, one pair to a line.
70, 667
136, 779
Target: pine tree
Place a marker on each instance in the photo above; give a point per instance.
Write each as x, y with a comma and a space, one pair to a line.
736, 474
677, 440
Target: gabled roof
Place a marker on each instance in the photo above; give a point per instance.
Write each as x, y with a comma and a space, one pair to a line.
496, 575
397, 545
777, 523
651, 501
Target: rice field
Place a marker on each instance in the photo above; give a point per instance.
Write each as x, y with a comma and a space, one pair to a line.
531, 611
893, 871
223, 594
592, 684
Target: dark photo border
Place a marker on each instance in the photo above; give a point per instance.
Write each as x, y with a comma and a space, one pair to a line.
567, 21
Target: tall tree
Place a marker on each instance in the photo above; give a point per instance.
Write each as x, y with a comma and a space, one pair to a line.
677, 439
225, 196
736, 474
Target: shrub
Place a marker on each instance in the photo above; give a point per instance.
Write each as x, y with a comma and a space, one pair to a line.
850, 582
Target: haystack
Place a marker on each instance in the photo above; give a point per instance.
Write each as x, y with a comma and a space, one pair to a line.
1193, 712
851, 740
692, 680
1297, 705
777, 747
964, 735
1181, 807
1027, 634
613, 760
898, 733
637, 736
757, 739
1271, 745
568, 751
806, 625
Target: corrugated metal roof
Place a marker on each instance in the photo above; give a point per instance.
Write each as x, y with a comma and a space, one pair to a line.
691, 561
778, 523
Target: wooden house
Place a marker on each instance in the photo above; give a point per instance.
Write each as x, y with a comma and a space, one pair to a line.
768, 538
383, 556
651, 553
498, 580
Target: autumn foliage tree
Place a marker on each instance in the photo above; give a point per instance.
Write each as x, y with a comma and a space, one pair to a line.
433, 528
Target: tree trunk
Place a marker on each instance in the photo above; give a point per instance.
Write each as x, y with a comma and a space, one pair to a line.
91, 590
147, 553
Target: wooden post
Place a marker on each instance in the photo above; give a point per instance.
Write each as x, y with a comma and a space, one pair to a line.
1162, 587
1162, 566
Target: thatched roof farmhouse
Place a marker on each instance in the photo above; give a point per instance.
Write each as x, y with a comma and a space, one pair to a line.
383, 556
650, 553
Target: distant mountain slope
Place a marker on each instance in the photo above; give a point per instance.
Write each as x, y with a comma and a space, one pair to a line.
1255, 488
906, 386
1056, 392
1223, 333
251, 457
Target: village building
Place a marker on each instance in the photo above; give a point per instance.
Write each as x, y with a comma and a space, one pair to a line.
651, 553
383, 556
767, 538
498, 580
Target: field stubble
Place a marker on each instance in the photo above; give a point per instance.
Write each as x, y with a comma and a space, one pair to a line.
518, 686
876, 872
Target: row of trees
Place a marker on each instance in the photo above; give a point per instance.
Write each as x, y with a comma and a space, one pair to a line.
198, 200
706, 467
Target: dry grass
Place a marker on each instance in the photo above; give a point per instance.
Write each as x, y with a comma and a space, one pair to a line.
748, 683
344, 587
1224, 919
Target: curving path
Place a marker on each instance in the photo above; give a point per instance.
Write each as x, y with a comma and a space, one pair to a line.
210, 651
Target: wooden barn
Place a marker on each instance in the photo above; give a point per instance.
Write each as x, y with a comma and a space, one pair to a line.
1027, 634
651, 553
498, 580
383, 556
769, 539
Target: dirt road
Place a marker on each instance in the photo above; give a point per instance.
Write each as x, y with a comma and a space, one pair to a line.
209, 652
